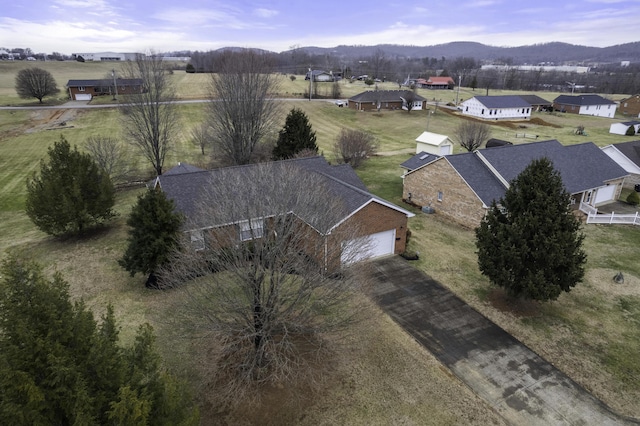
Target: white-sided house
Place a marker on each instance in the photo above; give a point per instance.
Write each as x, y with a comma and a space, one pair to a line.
623, 128
434, 143
627, 155
594, 105
508, 107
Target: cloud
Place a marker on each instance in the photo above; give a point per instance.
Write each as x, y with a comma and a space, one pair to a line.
265, 13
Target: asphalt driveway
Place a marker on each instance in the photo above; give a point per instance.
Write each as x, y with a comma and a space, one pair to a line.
521, 386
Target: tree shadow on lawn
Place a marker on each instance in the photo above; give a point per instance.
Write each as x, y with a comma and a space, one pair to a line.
520, 308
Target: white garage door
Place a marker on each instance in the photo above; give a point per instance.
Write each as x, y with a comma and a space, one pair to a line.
83, 96
371, 246
606, 193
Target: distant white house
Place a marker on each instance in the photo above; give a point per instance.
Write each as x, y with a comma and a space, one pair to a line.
434, 143
623, 128
508, 107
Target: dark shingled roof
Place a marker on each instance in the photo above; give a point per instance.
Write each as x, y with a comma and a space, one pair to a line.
383, 96
183, 168
419, 160
582, 100
583, 166
478, 176
187, 189
105, 82
631, 150
506, 101
493, 142
630, 123
535, 100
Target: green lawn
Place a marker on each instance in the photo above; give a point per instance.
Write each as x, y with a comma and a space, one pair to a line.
591, 333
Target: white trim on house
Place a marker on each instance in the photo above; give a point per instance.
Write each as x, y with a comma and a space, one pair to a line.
622, 160
373, 200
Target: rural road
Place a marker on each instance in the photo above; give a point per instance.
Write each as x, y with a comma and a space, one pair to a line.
520, 385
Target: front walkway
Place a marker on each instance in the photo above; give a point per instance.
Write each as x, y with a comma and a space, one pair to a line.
517, 383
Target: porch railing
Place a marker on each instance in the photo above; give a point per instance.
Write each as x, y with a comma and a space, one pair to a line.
586, 208
614, 219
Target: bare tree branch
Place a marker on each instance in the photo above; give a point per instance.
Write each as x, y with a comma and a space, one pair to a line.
260, 287
151, 117
108, 153
242, 111
354, 146
472, 134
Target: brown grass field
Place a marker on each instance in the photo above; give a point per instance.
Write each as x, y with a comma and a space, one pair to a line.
383, 376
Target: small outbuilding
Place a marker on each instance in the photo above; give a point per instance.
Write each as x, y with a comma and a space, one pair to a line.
623, 128
434, 143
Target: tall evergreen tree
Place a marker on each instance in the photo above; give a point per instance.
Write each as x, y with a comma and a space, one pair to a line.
530, 244
295, 136
154, 230
70, 194
58, 366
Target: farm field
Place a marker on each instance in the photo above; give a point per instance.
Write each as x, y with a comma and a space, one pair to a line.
591, 333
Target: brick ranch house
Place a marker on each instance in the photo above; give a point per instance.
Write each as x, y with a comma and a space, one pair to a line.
461, 187
630, 106
594, 105
382, 224
85, 90
388, 99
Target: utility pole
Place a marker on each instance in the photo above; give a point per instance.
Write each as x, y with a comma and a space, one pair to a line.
458, 92
115, 85
310, 82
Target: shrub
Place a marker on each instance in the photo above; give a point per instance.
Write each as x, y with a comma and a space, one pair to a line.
631, 131
633, 198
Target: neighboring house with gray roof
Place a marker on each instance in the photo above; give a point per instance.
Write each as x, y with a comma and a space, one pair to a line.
383, 224
627, 155
320, 76
594, 105
463, 186
507, 107
85, 90
538, 103
386, 99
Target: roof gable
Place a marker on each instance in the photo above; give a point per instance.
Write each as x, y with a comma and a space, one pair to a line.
631, 150
433, 139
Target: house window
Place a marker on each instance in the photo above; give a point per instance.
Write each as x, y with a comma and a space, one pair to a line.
80, 88
197, 239
251, 229
440, 195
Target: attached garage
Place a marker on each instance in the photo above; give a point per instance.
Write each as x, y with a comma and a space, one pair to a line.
83, 96
369, 247
605, 194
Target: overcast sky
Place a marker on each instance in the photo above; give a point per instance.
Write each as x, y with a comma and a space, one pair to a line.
70, 26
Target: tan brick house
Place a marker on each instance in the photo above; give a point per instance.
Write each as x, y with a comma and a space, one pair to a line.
630, 106
461, 187
362, 216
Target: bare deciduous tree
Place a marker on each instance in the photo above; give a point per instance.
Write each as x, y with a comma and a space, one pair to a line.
410, 97
201, 136
107, 152
242, 110
260, 287
472, 134
354, 146
151, 117
35, 83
